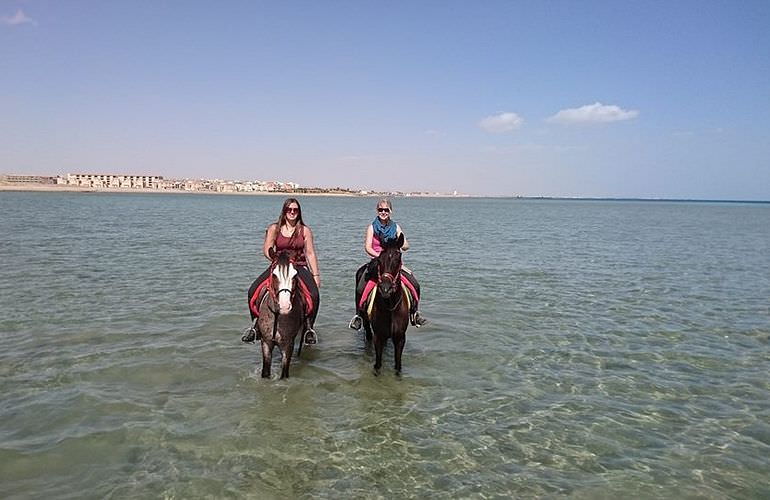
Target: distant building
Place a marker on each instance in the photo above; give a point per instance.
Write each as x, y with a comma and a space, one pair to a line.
115, 181
27, 179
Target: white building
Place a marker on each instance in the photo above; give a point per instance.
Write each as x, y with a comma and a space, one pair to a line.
115, 181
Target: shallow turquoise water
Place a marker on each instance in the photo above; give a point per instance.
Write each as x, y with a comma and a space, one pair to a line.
589, 349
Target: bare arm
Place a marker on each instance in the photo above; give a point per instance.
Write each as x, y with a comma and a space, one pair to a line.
312, 262
368, 242
271, 233
405, 246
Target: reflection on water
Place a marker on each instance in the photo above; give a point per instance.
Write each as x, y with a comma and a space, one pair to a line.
585, 349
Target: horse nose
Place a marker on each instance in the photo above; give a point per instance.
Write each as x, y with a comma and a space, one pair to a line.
284, 303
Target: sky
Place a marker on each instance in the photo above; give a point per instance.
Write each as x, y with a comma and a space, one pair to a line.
645, 99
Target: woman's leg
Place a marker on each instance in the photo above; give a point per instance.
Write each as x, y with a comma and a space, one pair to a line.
363, 275
251, 333
412, 279
307, 278
361, 279
416, 317
253, 288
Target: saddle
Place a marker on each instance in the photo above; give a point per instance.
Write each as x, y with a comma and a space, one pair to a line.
370, 290
255, 301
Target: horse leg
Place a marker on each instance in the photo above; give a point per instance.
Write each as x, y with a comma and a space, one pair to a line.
379, 345
267, 352
367, 328
286, 352
398, 348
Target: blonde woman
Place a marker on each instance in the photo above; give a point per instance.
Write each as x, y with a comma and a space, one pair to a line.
383, 229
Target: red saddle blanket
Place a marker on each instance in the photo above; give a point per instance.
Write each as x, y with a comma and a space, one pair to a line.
371, 284
262, 289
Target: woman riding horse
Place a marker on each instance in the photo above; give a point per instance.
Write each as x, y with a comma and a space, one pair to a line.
281, 313
388, 309
289, 234
380, 232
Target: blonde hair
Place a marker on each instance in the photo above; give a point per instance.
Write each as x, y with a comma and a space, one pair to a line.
385, 201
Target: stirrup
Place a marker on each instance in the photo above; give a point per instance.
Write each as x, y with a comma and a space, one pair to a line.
250, 335
310, 337
417, 320
356, 323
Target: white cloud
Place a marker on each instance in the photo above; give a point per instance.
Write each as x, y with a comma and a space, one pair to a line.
19, 18
593, 113
503, 122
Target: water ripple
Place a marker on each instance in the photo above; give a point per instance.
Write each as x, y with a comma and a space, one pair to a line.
589, 350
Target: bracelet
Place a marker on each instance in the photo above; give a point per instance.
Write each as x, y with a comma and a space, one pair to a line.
316, 275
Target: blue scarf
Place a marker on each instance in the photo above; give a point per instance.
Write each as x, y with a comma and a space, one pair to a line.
383, 232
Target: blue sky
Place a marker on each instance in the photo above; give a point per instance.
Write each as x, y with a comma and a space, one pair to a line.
618, 99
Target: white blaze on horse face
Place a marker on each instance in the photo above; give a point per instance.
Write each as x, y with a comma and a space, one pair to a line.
284, 277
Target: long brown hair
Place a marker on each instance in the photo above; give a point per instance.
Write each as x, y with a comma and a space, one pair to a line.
282, 217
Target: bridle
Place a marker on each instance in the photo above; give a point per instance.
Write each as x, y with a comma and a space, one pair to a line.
395, 279
275, 293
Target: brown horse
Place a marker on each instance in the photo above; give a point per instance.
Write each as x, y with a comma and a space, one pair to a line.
389, 317
281, 314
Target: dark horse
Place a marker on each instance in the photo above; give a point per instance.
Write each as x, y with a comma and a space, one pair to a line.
281, 314
389, 316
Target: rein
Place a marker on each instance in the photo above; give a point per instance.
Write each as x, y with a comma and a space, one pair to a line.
276, 313
273, 292
396, 280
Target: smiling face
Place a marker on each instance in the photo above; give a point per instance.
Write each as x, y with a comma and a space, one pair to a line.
291, 211
383, 211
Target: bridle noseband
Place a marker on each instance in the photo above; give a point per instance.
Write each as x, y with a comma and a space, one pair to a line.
275, 293
395, 279
392, 278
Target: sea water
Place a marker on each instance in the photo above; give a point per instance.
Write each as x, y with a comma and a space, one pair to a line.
589, 349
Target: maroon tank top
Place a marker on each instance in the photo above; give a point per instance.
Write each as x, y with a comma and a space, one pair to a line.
294, 244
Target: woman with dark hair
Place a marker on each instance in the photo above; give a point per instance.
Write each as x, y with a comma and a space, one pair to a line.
381, 230
289, 234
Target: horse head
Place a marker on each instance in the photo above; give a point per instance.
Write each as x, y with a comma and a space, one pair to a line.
389, 267
282, 284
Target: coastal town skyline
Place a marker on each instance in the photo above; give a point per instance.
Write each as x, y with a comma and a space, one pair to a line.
131, 182
563, 99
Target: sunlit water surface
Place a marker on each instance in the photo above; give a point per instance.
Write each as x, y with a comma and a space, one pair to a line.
575, 348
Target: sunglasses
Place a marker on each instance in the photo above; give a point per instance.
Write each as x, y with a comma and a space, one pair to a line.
384, 209
291, 210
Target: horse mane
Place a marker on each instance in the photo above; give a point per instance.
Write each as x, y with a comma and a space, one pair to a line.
281, 258
391, 247
396, 243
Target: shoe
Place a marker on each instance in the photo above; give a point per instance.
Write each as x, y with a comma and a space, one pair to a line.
356, 323
249, 335
418, 320
310, 337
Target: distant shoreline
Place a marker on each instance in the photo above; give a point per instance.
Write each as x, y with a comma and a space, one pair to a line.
77, 189
650, 200
52, 188
87, 190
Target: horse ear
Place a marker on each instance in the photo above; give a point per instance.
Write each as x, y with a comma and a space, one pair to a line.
271, 253
400, 241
